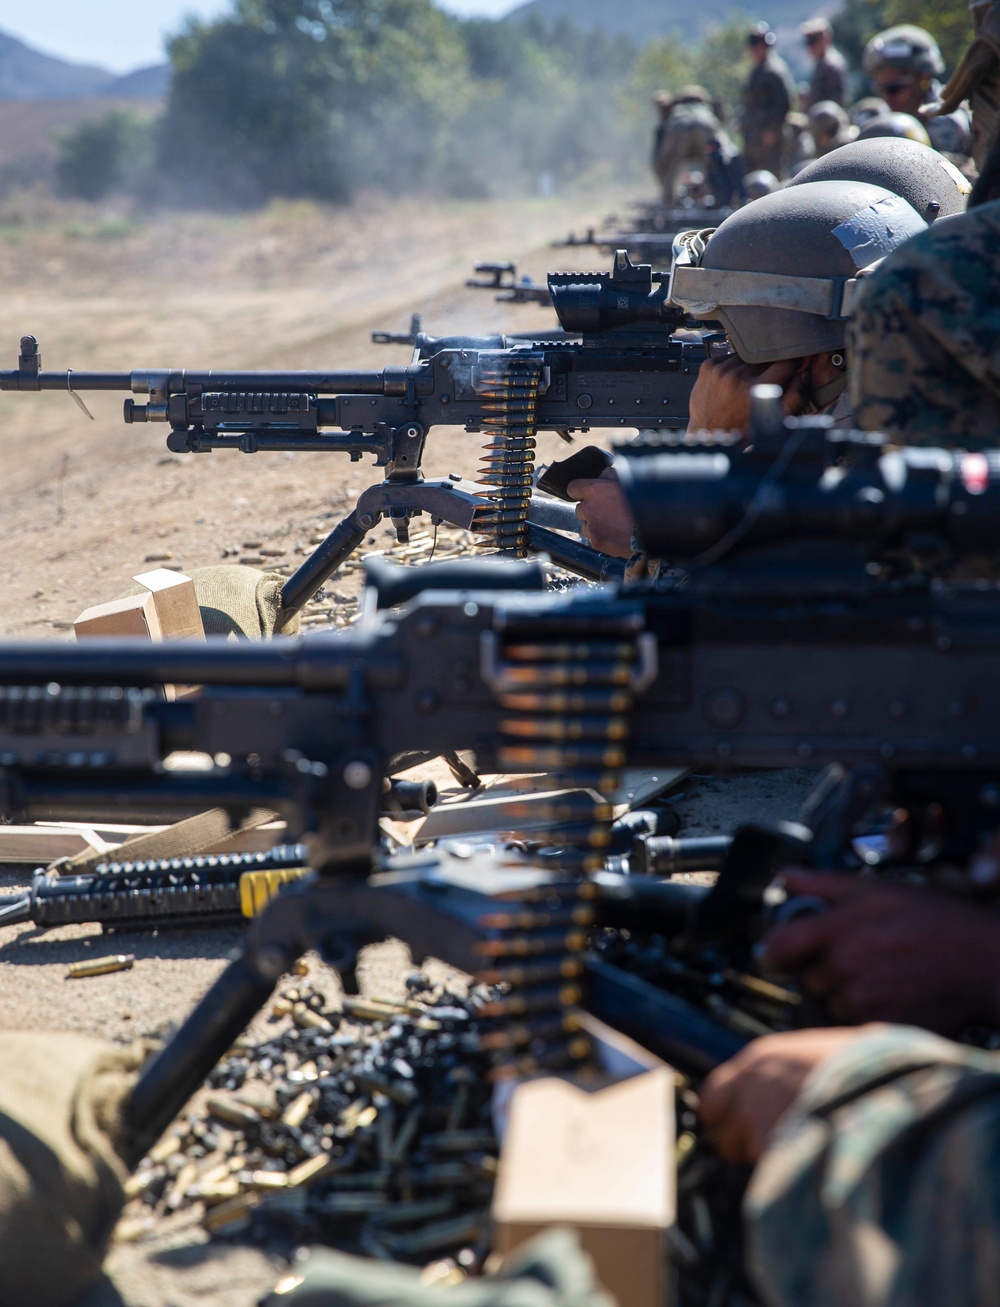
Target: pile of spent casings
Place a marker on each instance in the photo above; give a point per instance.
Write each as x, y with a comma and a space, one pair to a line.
368, 1129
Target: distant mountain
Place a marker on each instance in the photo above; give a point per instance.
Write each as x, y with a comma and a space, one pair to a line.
150, 83
645, 20
27, 74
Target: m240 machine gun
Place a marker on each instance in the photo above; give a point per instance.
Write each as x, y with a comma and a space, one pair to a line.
626, 372
882, 667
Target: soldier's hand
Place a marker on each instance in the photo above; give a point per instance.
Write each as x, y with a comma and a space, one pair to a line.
893, 953
720, 400
743, 1100
604, 511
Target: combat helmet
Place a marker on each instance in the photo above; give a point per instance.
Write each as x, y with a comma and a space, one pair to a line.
863, 111
924, 178
760, 183
906, 48
900, 126
781, 274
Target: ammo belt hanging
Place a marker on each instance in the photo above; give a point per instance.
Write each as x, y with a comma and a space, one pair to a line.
512, 399
568, 701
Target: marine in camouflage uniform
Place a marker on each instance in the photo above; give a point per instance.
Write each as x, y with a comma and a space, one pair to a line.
829, 75
904, 63
925, 340
881, 1186
691, 133
767, 97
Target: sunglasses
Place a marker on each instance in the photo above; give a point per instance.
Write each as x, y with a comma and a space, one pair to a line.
894, 88
814, 39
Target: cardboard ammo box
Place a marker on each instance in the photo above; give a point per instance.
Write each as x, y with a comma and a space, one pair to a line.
135, 615
167, 610
176, 604
600, 1161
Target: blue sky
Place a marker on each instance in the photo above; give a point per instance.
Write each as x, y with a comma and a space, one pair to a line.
126, 34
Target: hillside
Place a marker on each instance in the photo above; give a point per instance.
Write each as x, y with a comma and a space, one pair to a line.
27, 74
643, 20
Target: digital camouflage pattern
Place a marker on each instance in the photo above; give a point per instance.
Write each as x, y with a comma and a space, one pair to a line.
925, 340
882, 1185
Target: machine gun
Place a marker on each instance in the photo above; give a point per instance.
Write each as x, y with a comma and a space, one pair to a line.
626, 372
647, 231
756, 651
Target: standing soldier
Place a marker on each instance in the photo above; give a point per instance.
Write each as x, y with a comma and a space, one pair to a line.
767, 97
904, 64
829, 76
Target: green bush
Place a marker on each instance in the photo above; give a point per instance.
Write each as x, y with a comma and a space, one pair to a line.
104, 154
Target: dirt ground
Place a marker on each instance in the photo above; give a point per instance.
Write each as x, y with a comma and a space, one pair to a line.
84, 505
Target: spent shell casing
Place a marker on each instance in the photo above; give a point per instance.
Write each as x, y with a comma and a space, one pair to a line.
185, 1178
231, 1112
298, 1109
403, 1142
420, 1209
353, 1204
399, 1091
269, 1179
460, 1141
307, 1019
165, 1148
763, 988
220, 1191
440, 1234
373, 1180
234, 1212
309, 1171
375, 1009
102, 966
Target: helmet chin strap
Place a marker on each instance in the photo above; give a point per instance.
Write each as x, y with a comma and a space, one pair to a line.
823, 396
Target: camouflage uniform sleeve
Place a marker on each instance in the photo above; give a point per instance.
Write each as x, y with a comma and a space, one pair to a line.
882, 1185
925, 340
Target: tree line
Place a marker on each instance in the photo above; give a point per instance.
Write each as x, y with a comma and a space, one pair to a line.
323, 98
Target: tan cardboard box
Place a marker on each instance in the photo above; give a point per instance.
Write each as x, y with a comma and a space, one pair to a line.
135, 615
176, 603
602, 1162
168, 610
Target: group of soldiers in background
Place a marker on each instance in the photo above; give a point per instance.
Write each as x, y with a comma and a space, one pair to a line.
904, 65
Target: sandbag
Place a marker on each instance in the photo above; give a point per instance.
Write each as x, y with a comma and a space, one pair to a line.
242, 603
550, 1271
61, 1170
